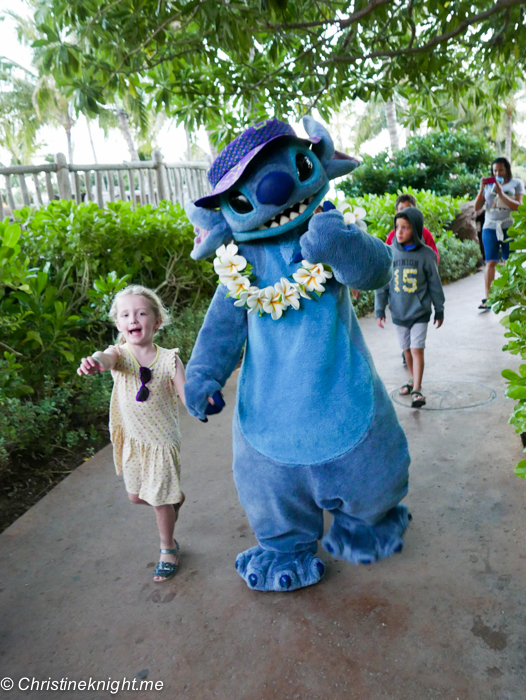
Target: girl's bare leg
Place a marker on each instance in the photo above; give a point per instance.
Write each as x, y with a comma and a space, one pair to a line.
166, 523
134, 498
417, 367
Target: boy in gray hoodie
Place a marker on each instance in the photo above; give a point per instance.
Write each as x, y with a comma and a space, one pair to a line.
415, 285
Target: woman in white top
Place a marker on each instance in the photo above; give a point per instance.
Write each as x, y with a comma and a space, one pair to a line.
501, 198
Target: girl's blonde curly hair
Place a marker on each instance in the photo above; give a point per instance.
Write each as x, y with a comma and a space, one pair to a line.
157, 306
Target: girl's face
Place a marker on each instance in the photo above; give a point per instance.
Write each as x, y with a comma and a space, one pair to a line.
136, 320
499, 170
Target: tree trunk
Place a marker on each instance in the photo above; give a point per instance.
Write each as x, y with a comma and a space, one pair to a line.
70, 144
188, 144
509, 129
91, 141
392, 125
213, 149
124, 124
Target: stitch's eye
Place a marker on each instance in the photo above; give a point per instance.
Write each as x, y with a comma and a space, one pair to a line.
239, 203
304, 166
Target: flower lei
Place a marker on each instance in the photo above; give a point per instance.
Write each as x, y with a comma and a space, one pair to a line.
273, 300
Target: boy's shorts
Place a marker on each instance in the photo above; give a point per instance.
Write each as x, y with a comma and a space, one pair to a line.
414, 337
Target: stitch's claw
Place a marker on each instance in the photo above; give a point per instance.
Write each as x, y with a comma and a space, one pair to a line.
360, 543
264, 570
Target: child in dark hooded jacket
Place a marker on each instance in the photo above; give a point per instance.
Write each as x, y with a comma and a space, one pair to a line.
414, 288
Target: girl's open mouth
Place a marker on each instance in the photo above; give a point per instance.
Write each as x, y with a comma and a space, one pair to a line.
135, 331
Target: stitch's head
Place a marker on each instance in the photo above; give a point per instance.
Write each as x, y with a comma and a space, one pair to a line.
267, 182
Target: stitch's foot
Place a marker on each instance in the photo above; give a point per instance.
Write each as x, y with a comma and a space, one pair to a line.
264, 570
360, 543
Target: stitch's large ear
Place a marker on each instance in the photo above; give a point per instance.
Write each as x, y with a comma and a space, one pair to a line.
340, 165
211, 230
324, 149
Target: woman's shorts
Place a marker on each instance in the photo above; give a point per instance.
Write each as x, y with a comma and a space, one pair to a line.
414, 337
492, 244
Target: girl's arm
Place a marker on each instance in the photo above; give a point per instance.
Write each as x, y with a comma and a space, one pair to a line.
99, 361
180, 378
480, 201
512, 201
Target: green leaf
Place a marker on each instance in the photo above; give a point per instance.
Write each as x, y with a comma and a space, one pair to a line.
11, 235
34, 335
520, 469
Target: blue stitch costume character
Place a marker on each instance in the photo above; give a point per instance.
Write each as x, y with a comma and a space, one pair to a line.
314, 428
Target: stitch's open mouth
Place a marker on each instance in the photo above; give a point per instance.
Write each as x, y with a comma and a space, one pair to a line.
288, 215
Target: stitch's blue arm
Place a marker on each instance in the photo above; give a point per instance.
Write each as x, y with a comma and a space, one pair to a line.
358, 260
216, 351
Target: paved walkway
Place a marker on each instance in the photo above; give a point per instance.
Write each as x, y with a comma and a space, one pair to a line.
444, 620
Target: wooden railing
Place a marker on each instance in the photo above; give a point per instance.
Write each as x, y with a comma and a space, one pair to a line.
141, 182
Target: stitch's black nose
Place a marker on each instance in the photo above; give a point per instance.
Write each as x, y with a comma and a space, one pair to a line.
275, 188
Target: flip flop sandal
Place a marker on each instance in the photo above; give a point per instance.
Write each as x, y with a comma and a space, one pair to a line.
417, 399
167, 569
483, 306
407, 387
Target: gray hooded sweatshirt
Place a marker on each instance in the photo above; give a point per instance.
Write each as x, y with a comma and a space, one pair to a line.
415, 283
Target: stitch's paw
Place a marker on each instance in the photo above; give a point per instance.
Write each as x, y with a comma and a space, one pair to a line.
323, 234
264, 570
360, 543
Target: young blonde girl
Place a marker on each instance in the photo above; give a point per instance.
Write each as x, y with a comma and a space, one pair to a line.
144, 422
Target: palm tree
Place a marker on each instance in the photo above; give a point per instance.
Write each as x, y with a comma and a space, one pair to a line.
52, 105
18, 121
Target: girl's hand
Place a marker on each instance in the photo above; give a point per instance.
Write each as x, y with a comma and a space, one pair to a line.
211, 401
380, 322
498, 188
438, 322
89, 365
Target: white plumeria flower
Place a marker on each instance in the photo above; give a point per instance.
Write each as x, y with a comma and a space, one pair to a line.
255, 301
321, 271
244, 295
272, 304
238, 285
310, 279
353, 215
289, 293
227, 262
230, 249
301, 292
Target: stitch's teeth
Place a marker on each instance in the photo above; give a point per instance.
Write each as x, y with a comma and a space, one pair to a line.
293, 215
284, 220
302, 208
274, 224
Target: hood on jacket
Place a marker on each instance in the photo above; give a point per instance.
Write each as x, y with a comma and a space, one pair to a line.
416, 219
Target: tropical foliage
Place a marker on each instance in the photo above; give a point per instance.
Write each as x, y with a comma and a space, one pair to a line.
280, 57
508, 291
447, 163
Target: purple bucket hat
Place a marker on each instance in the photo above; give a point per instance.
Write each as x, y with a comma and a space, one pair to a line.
233, 160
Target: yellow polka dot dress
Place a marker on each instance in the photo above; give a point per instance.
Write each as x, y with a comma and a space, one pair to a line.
145, 434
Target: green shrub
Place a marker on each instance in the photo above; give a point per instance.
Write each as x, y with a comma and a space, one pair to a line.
457, 258
438, 211
445, 163
59, 268
63, 418
509, 292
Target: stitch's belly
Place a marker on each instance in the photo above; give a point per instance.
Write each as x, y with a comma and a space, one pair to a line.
305, 393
